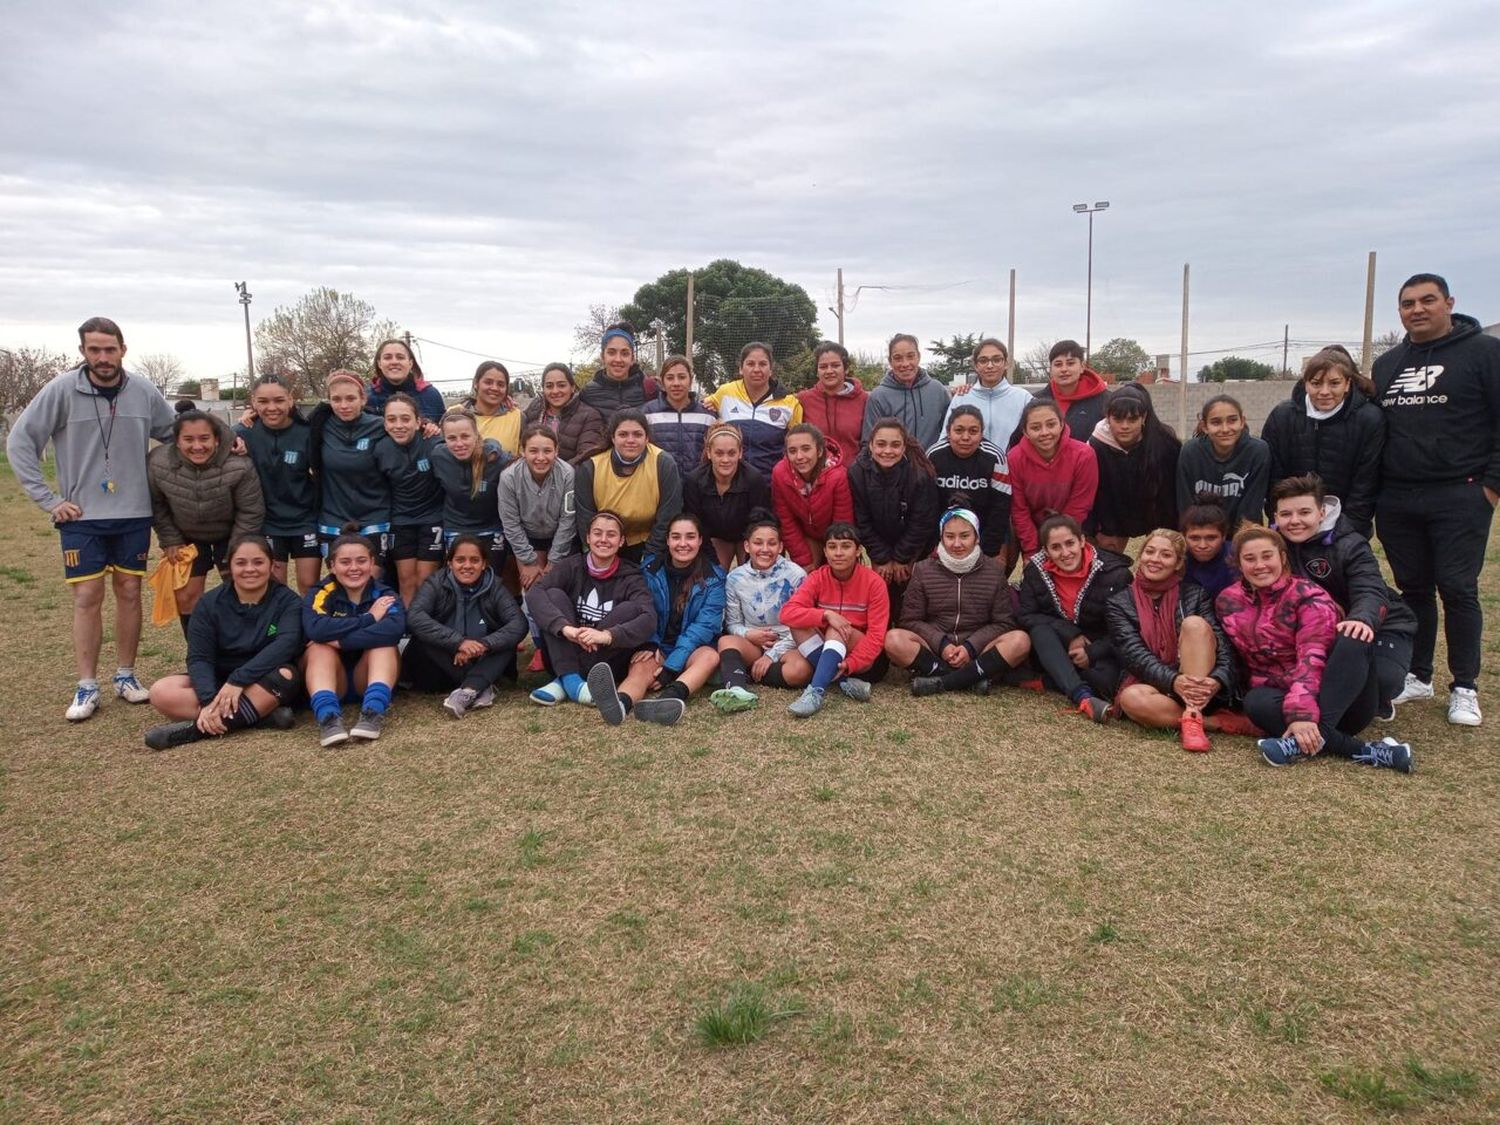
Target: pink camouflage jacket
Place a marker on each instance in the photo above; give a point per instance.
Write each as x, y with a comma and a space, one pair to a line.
1283, 634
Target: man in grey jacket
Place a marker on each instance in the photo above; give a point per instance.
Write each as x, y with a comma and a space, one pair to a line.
100, 420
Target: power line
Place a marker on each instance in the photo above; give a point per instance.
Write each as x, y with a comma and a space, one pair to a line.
536, 363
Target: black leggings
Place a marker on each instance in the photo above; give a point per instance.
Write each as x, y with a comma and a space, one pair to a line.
1361, 678
430, 668
1263, 705
1051, 651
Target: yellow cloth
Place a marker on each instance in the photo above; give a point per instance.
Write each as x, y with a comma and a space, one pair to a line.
504, 428
166, 580
635, 497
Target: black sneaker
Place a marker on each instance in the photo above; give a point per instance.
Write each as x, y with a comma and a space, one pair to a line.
368, 726
664, 712
164, 736
926, 685
282, 718
331, 731
601, 681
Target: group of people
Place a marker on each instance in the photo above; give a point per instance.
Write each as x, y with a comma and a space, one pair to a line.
650, 540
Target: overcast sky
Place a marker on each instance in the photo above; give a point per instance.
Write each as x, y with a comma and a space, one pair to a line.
482, 177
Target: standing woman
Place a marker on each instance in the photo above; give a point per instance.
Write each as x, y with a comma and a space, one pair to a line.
836, 402
350, 464
591, 608
687, 592
895, 504
756, 645
279, 444
416, 496
758, 406
578, 426
809, 491
679, 421
1223, 460
201, 496
1331, 426
1282, 626
352, 624
397, 371
1205, 526
635, 480
243, 644
1177, 661
1137, 458
723, 490
1000, 402
495, 412
464, 630
958, 631
536, 505
468, 469
969, 472
1064, 591
1051, 474
619, 384
908, 394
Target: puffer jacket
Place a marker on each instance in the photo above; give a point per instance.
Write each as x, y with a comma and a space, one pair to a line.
1340, 560
1344, 450
1282, 634
679, 432
207, 504
895, 509
1136, 656
580, 428
805, 513
1040, 605
702, 614
445, 613
609, 396
944, 608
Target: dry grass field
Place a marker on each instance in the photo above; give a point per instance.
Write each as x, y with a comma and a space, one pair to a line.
958, 909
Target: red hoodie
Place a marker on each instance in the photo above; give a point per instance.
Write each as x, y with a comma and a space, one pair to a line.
862, 598
1065, 485
805, 515
840, 417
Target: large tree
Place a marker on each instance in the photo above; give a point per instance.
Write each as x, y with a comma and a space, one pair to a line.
1033, 365
951, 360
1235, 368
321, 333
734, 305
1122, 358
25, 371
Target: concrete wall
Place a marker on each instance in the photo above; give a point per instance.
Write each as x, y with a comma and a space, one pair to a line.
1257, 397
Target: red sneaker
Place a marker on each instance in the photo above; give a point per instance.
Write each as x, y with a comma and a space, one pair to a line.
1190, 734
1095, 709
536, 663
1232, 722
1032, 685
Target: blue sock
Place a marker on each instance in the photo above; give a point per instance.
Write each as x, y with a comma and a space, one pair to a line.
377, 698
827, 668
572, 684
325, 705
1080, 693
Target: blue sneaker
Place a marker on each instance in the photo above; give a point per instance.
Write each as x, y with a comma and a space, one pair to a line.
1280, 751
549, 695
1387, 754
85, 703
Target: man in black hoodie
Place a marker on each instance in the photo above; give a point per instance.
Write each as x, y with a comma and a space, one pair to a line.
1440, 390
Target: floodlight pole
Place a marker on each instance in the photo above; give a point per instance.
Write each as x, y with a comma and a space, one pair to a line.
1088, 323
243, 290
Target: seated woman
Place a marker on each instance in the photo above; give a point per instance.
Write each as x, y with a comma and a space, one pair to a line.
1282, 626
464, 630
243, 642
352, 624
1371, 653
895, 503
838, 618
1205, 526
592, 608
723, 490
201, 495
635, 480
756, 645
1177, 661
1050, 474
809, 491
687, 592
468, 468
1064, 590
416, 496
578, 426
958, 631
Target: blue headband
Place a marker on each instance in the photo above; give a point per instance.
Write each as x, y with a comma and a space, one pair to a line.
958, 514
621, 333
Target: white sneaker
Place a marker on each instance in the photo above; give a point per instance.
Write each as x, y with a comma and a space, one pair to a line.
1414, 690
1463, 707
85, 703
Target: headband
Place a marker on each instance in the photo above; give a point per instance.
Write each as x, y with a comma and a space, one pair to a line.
621, 334
964, 514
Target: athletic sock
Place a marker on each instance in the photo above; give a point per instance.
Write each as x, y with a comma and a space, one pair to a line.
990, 666
926, 664
88, 684
732, 669
828, 664
774, 677
676, 690
325, 705
626, 702
244, 716
572, 684
124, 670
183, 619
377, 698
1080, 693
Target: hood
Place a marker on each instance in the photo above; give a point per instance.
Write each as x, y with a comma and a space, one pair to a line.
1106, 436
1089, 556
849, 389
1464, 326
486, 580
222, 454
1357, 398
1090, 383
890, 380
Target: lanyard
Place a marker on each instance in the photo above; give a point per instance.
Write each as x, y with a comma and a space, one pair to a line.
105, 437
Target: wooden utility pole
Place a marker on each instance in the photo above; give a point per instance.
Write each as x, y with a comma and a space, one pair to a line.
1010, 332
840, 306
688, 343
1366, 353
1286, 340
1182, 409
